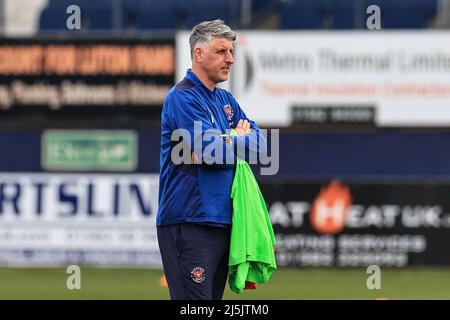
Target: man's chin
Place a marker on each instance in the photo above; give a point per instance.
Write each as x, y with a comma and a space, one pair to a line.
223, 78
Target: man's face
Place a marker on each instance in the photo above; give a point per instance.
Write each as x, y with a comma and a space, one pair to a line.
216, 60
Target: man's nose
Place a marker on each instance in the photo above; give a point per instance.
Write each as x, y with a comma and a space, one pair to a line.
230, 58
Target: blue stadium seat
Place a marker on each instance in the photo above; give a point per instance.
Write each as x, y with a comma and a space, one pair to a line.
100, 14
303, 14
130, 13
100, 19
260, 4
55, 15
157, 14
52, 19
348, 14
196, 11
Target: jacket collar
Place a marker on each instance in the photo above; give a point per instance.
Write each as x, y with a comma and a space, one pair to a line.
191, 76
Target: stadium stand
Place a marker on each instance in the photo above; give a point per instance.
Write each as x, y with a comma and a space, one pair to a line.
298, 14
141, 14
101, 15
196, 11
350, 14
407, 14
54, 16
347, 14
171, 15
158, 15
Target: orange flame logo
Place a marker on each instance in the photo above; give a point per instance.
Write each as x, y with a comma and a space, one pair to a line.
330, 208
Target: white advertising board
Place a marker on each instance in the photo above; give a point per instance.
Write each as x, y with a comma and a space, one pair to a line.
403, 76
105, 219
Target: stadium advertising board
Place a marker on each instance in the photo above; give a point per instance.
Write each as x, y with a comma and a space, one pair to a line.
386, 78
89, 150
109, 219
72, 73
359, 224
100, 219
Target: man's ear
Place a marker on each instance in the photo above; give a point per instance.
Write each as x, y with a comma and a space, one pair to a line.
198, 54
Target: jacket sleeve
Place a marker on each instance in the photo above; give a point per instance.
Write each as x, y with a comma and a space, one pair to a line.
252, 145
194, 123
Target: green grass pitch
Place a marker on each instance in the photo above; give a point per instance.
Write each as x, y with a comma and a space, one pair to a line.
286, 283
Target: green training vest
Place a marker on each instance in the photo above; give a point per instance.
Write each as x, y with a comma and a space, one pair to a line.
252, 256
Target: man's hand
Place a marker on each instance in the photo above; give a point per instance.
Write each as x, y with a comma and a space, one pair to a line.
243, 127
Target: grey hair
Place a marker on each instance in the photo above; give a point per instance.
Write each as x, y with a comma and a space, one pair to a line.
205, 31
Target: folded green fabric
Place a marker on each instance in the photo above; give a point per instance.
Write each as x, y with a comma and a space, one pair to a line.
252, 256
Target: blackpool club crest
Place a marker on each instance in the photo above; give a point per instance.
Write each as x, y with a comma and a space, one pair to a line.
229, 112
198, 274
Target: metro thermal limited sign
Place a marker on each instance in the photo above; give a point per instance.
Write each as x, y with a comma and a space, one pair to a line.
403, 76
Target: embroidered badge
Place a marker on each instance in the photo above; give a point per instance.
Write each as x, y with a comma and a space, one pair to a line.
198, 274
229, 112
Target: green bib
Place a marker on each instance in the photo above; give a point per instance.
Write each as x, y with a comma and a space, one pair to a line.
252, 256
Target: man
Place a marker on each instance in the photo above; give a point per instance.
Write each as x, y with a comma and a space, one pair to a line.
194, 215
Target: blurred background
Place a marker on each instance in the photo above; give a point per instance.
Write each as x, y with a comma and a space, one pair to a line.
360, 93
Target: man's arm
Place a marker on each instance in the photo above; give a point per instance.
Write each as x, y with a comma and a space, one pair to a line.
254, 142
207, 146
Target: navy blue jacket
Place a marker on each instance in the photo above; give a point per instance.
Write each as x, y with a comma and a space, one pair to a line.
201, 192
